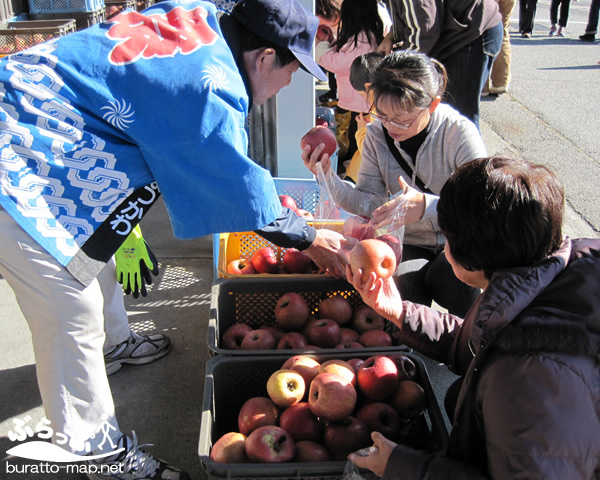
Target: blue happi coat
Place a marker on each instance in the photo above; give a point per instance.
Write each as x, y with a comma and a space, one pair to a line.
95, 124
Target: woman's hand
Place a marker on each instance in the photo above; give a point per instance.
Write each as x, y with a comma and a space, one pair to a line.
362, 119
311, 159
406, 208
386, 44
377, 460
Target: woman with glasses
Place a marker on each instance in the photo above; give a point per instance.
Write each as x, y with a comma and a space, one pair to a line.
414, 140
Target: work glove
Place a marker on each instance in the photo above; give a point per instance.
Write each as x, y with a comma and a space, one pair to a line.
135, 264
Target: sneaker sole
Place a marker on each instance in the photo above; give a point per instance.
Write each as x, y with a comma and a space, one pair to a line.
115, 366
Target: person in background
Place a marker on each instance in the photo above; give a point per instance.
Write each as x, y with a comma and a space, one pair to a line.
464, 35
526, 404
527, 10
360, 31
499, 78
328, 13
591, 28
560, 20
415, 140
96, 126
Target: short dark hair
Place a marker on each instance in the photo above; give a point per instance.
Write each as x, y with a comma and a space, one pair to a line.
499, 213
328, 9
363, 68
409, 80
250, 41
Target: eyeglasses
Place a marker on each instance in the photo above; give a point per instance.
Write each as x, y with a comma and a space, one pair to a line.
393, 123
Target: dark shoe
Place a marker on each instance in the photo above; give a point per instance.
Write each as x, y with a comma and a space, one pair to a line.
587, 37
526, 35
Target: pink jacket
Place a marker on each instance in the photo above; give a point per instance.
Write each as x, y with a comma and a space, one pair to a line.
339, 63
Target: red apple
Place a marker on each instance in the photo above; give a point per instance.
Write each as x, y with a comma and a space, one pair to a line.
230, 448
299, 421
337, 308
276, 330
309, 451
375, 338
285, 387
340, 367
288, 202
324, 333
356, 363
292, 341
365, 318
346, 436
393, 242
349, 335
318, 135
373, 255
407, 370
331, 396
259, 339
295, 261
306, 366
377, 377
321, 121
358, 227
346, 345
270, 444
257, 412
409, 399
241, 266
264, 260
380, 417
291, 311
305, 214
234, 334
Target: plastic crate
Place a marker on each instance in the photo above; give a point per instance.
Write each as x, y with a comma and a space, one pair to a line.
114, 7
230, 381
253, 303
82, 19
19, 36
61, 6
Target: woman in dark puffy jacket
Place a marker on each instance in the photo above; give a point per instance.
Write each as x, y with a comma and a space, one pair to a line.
528, 351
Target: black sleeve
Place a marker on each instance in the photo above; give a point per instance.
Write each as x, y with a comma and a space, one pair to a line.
289, 230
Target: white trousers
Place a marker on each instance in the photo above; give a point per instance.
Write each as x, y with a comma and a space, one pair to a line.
69, 325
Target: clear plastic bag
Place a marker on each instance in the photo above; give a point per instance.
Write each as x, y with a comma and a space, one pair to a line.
352, 472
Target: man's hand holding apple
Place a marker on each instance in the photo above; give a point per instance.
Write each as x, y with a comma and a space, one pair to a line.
404, 209
314, 156
376, 460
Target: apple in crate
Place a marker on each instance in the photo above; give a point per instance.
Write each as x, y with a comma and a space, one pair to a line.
291, 311
324, 333
373, 255
295, 261
349, 335
346, 436
299, 421
375, 338
318, 135
230, 448
240, 266
277, 330
409, 399
377, 377
407, 370
331, 396
306, 366
234, 335
264, 260
337, 308
259, 339
257, 412
341, 367
288, 202
380, 417
285, 387
292, 341
270, 444
365, 318
310, 451
346, 345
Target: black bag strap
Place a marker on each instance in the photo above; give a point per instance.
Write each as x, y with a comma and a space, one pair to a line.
403, 165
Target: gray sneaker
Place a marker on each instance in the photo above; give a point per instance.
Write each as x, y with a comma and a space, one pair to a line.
136, 350
133, 464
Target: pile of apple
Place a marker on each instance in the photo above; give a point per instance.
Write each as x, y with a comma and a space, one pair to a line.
318, 412
338, 326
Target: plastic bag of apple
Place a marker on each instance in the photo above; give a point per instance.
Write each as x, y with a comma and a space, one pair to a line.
319, 410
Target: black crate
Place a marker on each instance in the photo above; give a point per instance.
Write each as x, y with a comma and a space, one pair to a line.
17, 36
82, 19
114, 7
230, 381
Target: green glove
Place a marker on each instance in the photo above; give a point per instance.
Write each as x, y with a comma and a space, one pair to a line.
135, 264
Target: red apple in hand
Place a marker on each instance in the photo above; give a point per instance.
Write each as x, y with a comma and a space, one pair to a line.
264, 260
377, 377
337, 308
285, 387
230, 448
299, 421
346, 436
241, 266
288, 202
234, 335
291, 311
259, 339
270, 444
365, 318
331, 396
373, 255
324, 333
257, 412
295, 261
318, 135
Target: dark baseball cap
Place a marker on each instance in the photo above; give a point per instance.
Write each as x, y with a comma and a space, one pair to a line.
285, 23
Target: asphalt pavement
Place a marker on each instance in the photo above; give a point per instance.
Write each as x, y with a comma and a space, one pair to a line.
550, 115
